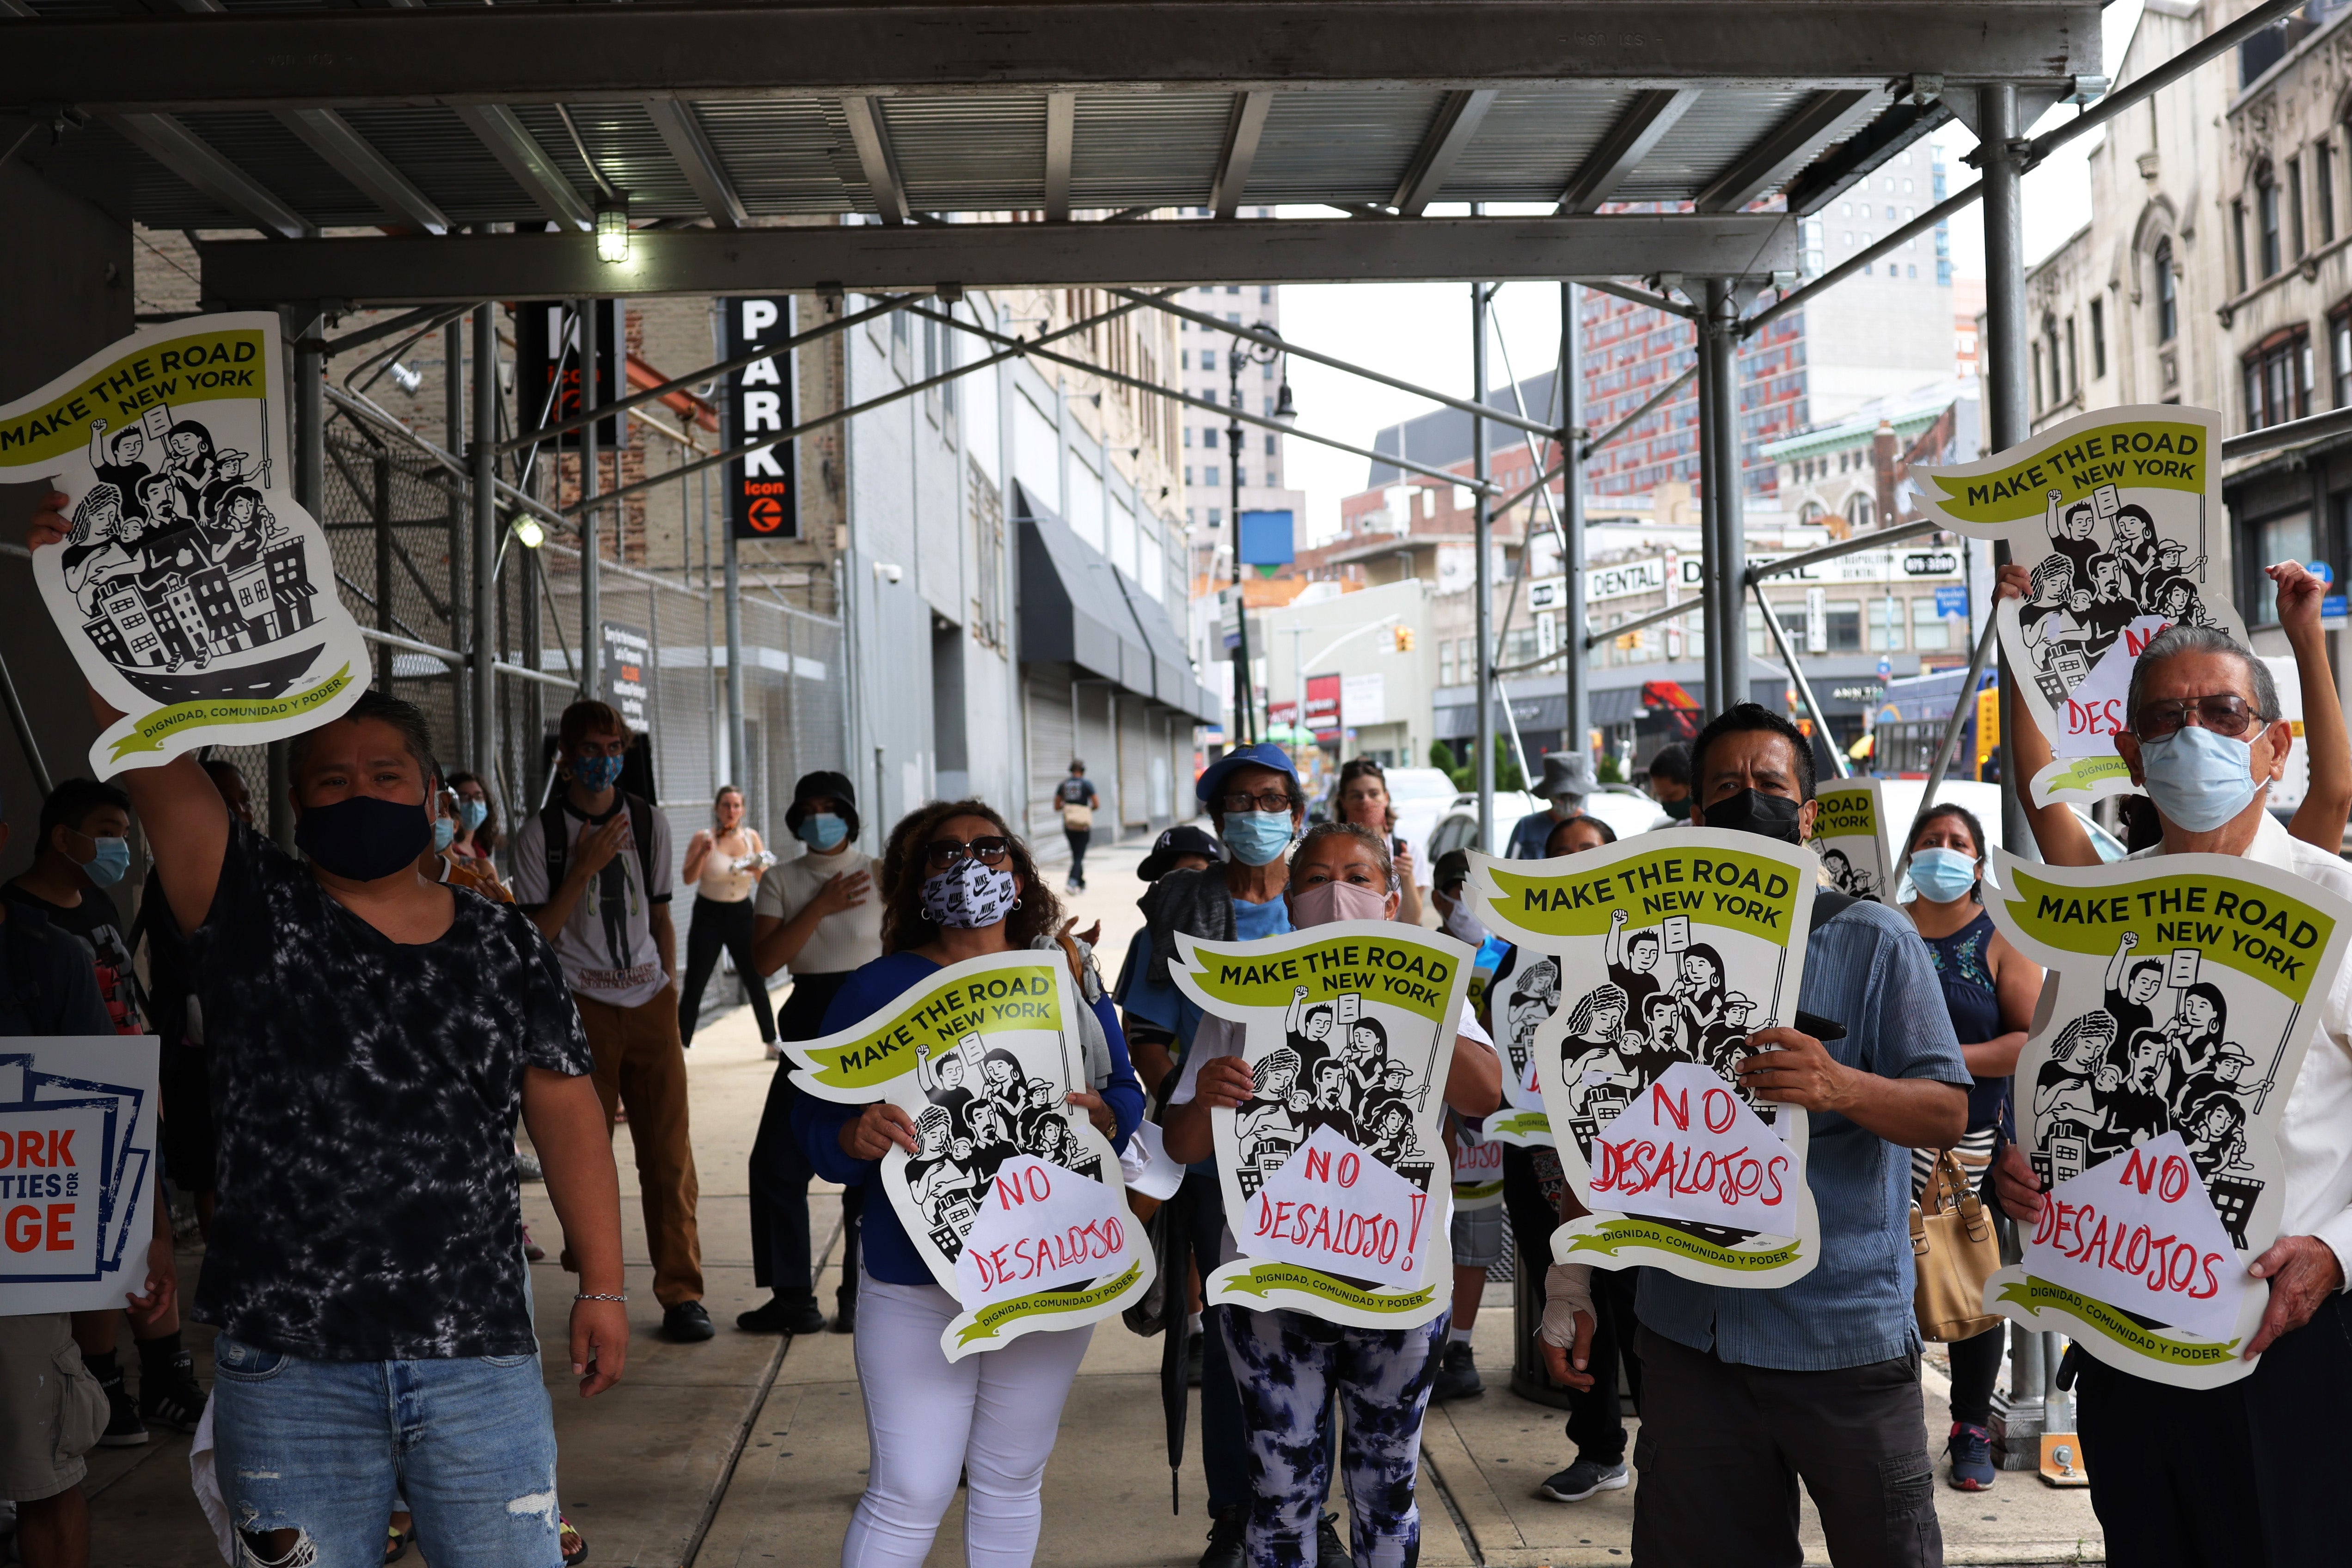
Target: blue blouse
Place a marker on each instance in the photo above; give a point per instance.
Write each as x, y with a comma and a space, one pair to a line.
889, 1256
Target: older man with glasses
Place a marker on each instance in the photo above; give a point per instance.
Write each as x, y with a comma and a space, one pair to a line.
2254, 1471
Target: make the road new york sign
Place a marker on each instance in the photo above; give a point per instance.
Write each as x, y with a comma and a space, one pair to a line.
1014, 1198
2185, 989
1672, 949
1338, 1188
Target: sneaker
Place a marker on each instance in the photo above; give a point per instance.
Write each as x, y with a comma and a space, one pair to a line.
1457, 1375
173, 1398
782, 1315
1330, 1552
527, 1168
1582, 1478
1971, 1449
124, 1427
1226, 1549
687, 1323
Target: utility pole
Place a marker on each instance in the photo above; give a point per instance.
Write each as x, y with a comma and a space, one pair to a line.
1237, 355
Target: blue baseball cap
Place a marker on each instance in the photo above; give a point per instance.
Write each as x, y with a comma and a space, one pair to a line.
1264, 754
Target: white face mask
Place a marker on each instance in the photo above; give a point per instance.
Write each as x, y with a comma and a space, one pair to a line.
1463, 926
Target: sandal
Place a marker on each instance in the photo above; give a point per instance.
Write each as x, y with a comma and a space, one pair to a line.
395, 1546
575, 1548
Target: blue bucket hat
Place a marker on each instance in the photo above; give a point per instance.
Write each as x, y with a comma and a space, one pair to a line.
1264, 754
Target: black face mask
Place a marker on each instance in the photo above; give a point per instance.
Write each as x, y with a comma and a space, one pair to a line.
1677, 809
1765, 815
364, 838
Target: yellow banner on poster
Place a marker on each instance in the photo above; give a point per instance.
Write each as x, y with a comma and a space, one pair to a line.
2135, 452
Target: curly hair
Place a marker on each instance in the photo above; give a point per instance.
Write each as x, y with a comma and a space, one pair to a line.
906, 862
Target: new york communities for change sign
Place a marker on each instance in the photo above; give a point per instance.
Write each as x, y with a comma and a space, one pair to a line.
77, 1171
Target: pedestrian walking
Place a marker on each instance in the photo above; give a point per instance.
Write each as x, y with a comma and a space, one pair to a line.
723, 865
1077, 800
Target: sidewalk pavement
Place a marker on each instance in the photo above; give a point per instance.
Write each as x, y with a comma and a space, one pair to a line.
750, 1451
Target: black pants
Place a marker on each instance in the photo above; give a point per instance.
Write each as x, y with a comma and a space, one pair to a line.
718, 925
780, 1172
1976, 1366
2248, 1475
190, 1149
1724, 1445
1078, 837
1596, 1421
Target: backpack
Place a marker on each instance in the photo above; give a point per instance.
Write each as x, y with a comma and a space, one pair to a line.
557, 840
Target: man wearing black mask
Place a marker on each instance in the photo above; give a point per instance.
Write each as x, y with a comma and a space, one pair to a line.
1744, 1392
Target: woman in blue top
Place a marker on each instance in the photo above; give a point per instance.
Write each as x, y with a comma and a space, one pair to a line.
956, 884
1990, 989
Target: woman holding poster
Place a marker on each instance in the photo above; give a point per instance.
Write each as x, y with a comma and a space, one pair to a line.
956, 886
1990, 989
1287, 1364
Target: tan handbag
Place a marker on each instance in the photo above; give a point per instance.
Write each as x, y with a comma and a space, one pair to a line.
1077, 818
1954, 1252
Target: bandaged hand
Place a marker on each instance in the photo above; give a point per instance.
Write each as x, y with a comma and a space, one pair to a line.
1565, 1335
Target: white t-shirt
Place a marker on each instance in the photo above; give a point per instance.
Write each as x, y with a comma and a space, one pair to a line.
842, 942
607, 947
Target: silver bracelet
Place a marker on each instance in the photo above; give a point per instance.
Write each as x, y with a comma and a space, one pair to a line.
595, 1295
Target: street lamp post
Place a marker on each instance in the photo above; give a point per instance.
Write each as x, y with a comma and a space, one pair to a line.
1237, 355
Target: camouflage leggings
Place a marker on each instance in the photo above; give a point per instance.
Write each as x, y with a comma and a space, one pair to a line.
1287, 1366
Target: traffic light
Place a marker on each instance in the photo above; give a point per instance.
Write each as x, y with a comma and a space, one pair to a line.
1404, 640
1629, 641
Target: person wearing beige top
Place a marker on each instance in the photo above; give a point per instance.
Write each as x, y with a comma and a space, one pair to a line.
724, 862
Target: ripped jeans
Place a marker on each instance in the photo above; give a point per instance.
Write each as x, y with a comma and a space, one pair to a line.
1286, 1365
320, 1447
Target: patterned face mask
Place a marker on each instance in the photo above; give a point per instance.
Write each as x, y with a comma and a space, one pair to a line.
967, 895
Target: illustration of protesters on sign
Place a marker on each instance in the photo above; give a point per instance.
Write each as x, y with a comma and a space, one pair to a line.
1521, 1002
1850, 835
197, 596
2149, 1097
1012, 1195
1691, 940
2116, 516
1337, 1177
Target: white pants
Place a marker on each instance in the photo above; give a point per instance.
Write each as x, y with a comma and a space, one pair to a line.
991, 1418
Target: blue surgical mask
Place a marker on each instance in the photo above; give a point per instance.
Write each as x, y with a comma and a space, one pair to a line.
113, 859
472, 814
1942, 876
1257, 837
2198, 780
821, 830
444, 833
597, 774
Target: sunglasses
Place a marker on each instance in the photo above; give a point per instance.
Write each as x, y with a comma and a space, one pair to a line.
988, 851
2225, 714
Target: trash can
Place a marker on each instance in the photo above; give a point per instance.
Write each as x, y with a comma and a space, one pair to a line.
1529, 1380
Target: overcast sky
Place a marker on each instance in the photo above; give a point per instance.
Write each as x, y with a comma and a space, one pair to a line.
1420, 331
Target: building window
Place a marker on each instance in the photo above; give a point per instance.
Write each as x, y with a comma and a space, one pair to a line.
2168, 296
2323, 187
2238, 244
1445, 662
2098, 340
2040, 398
2295, 208
2280, 539
1208, 475
1844, 616
1208, 359
2266, 219
1861, 510
2339, 339
2073, 367
1930, 632
1886, 625
2278, 380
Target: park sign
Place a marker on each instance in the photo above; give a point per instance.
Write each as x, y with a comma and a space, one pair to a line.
1338, 1190
2117, 517
2150, 1096
196, 596
1677, 946
762, 487
1013, 1198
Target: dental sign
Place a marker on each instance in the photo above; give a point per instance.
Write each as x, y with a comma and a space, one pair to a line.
1862, 566
762, 489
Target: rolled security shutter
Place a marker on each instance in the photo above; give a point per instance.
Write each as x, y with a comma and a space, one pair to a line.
1052, 744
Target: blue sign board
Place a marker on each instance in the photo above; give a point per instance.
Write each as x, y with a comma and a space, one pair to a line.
2333, 608
2321, 570
1266, 539
1952, 600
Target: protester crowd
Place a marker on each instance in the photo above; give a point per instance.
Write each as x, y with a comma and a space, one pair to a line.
351, 1036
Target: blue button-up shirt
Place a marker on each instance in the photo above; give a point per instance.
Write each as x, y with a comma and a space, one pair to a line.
1868, 970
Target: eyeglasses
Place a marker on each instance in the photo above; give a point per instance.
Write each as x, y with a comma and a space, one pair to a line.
947, 852
1272, 800
2224, 713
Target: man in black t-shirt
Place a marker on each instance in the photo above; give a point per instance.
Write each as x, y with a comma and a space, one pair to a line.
1076, 799
373, 1035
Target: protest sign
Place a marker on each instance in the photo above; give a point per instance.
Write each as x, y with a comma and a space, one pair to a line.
77, 1171
1675, 947
1477, 1169
197, 596
2150, 1097
1330, 1171
1850, 835
1528, 996
1013, 1199
2118, 516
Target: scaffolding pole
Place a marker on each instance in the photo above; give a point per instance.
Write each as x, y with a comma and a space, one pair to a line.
1482, 538
592, 608
1578, 741
1724, 568
310, 410
482, 750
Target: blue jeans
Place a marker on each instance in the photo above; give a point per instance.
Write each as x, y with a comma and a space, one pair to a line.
320, 1447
